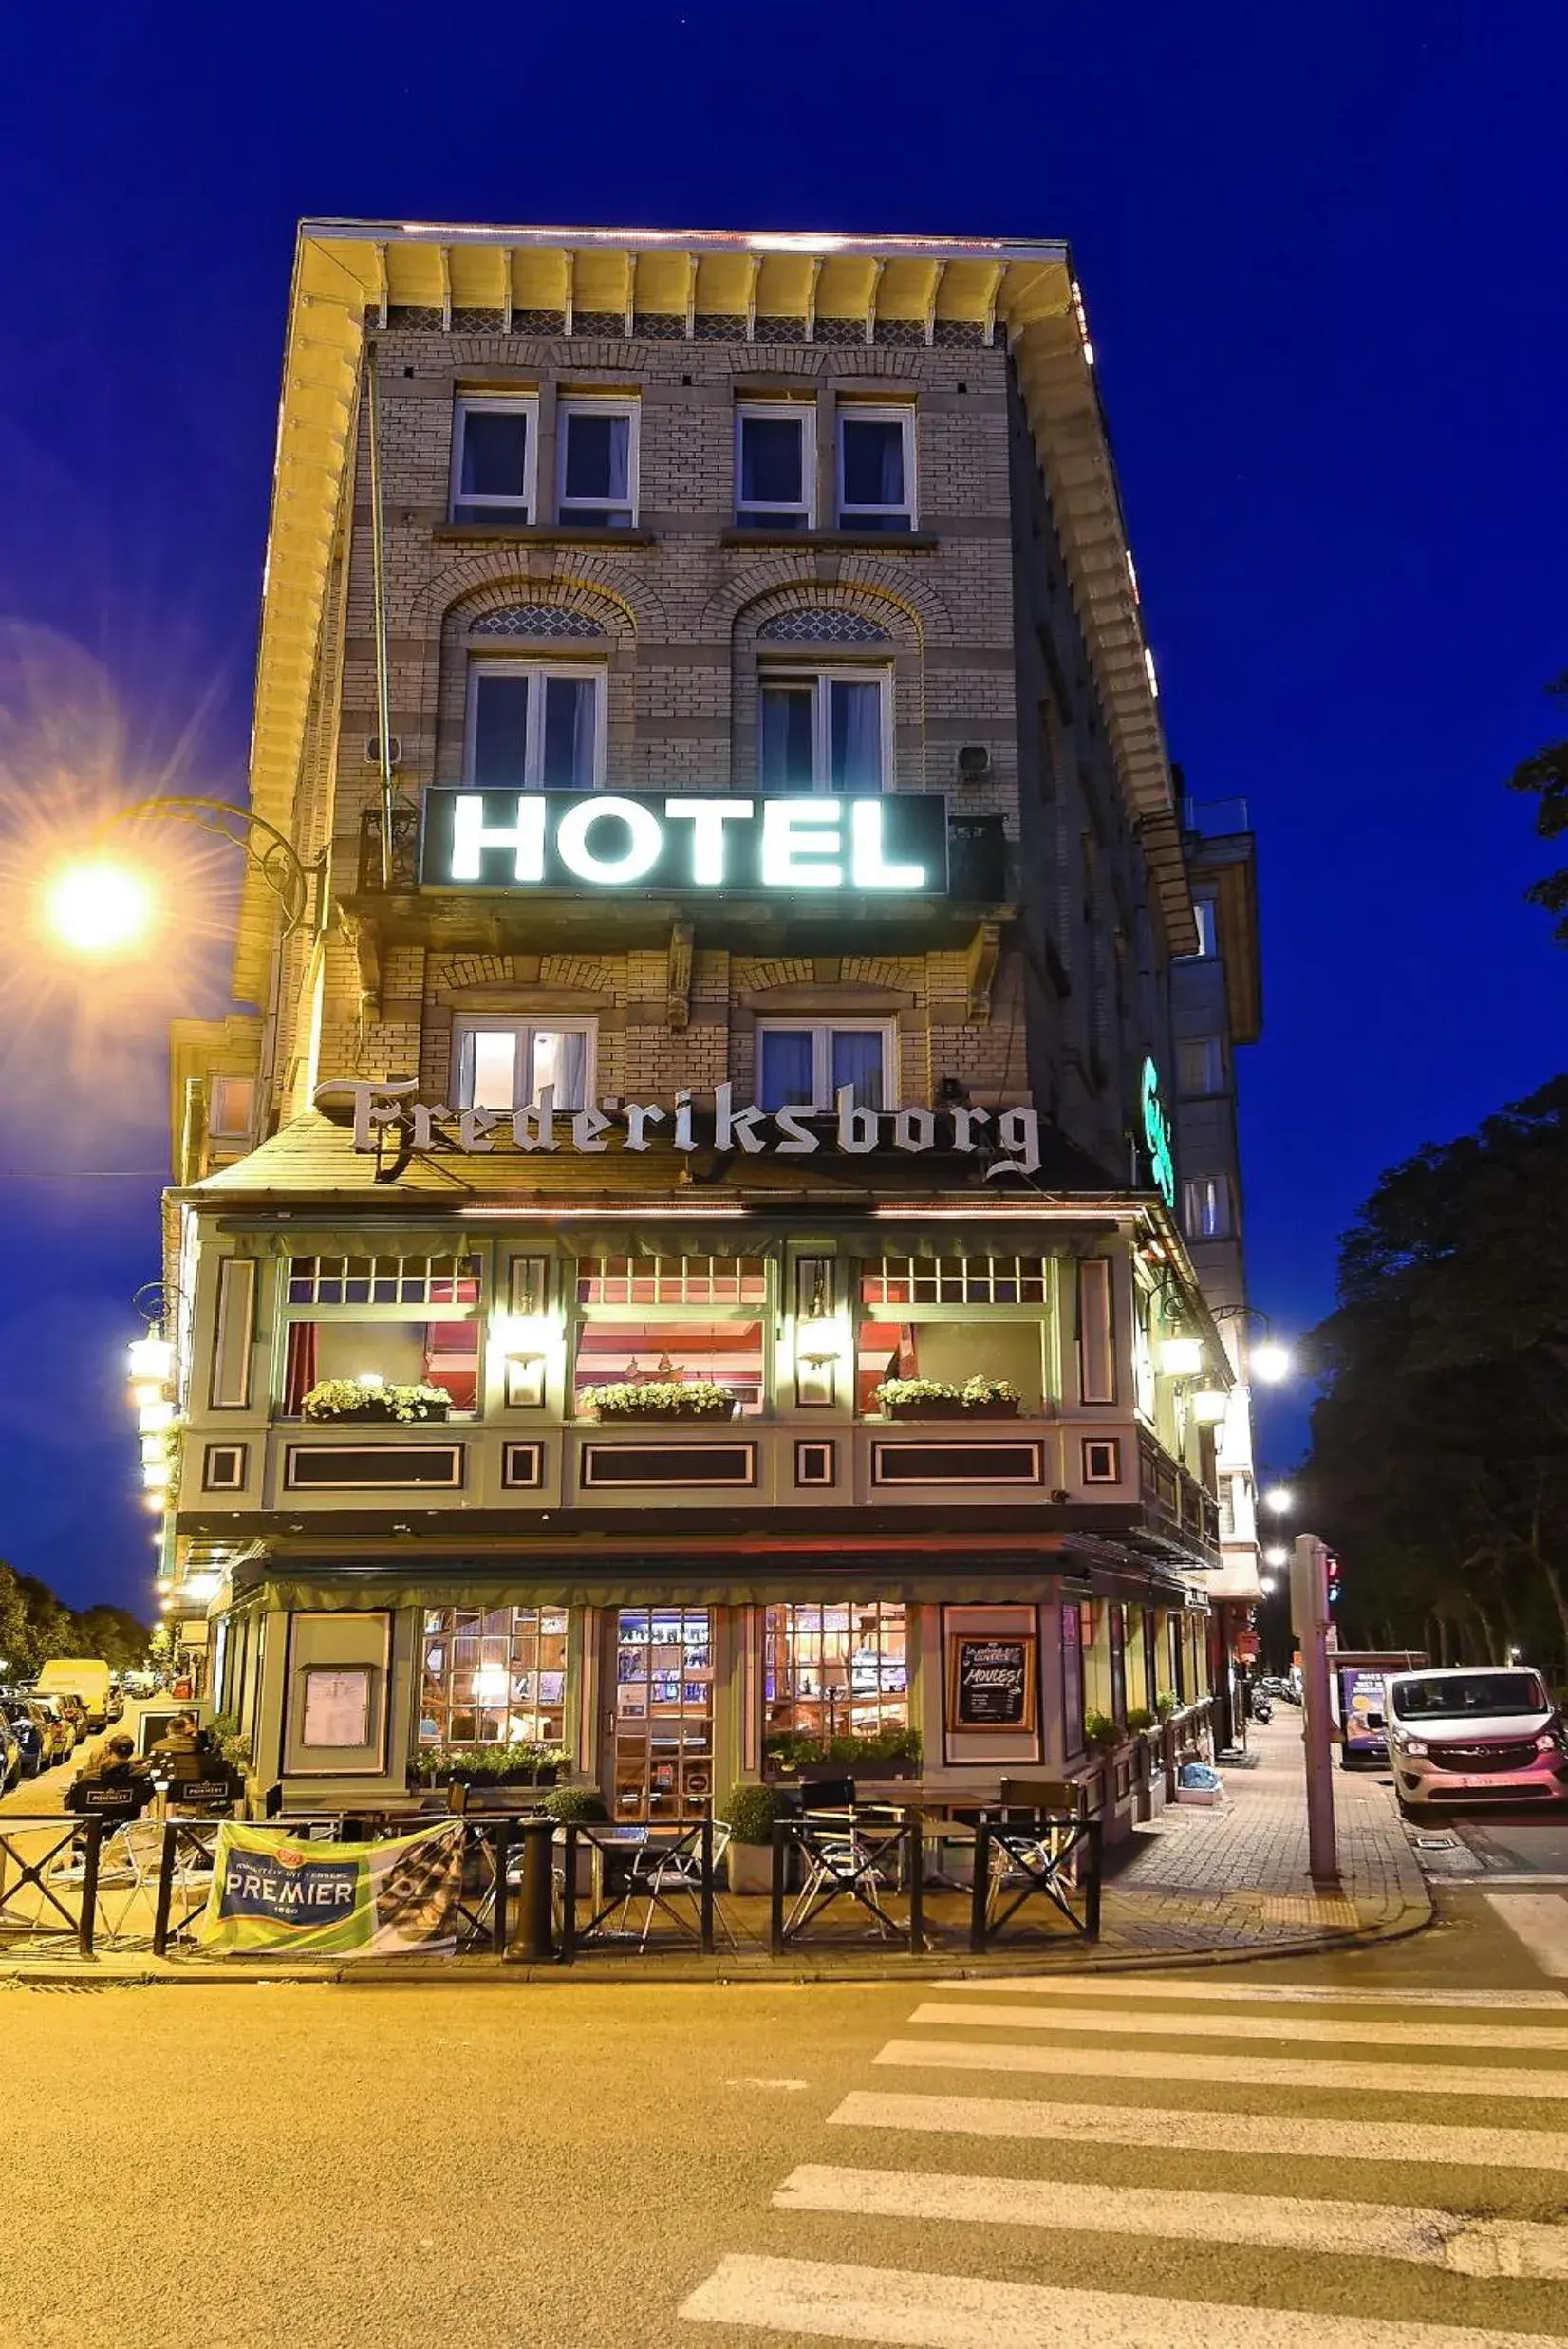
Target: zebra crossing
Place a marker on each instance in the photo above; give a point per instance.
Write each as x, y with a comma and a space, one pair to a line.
1061, 2149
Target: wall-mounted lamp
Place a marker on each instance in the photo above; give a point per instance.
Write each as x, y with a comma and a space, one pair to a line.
150, 1360
523, 1342
1209, 1405
1181, 1357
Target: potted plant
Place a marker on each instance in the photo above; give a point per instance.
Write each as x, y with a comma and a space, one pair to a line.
751, 1812
1100, 1733
990, 1398
523, 1764
893, 1752
919, 1398
349, 1399
659, 1398
1164, 1704
578, 1807
1140, 1720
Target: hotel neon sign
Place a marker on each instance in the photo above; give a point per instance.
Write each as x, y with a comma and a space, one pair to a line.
831, 844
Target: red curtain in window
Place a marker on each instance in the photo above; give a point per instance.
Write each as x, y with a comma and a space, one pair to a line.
299, 1371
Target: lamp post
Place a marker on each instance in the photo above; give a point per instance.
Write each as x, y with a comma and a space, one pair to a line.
101, 904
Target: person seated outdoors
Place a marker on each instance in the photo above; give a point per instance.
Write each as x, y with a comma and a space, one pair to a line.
183, 1754
114, 1766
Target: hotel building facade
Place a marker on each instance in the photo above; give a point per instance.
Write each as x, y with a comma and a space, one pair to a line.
675, 1256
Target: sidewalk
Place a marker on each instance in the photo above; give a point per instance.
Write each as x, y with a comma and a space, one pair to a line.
1198, 1883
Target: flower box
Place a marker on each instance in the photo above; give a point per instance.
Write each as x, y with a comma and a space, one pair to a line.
664, 1411
1001, 1409
942, 1410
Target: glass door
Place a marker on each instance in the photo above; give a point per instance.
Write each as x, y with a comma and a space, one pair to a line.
663, 1713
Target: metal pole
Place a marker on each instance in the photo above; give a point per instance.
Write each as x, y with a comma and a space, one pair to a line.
534, 1937
1309, 1607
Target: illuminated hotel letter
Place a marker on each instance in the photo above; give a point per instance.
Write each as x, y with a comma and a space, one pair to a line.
707, 819
866, 828
802, 841
914, 1130
799, 1141
858, 1129
585, 1126
732, 1126
377, 1104
534, 1128
637, 860
639, 1116
964, 1121
684, 1138
470, 838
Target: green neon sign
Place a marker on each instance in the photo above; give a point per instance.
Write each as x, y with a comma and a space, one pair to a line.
1157, 1135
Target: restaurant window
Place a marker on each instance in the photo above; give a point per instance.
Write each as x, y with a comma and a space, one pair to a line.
494, 1676
534, 725
425, 1335
824, 730
598, 443
505, 1064
805, 1063
680, 1320
937, 1318
876, 468
953, 1280
492, 459
775, 464
835, 1670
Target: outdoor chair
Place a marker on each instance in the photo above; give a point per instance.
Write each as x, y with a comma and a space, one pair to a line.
663, 1873
837, 1860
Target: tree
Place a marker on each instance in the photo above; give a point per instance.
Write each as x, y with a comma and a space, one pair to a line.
1545, 776
35, 1625
1440, 1446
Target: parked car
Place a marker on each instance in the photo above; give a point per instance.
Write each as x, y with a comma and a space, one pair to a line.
32, 1733
113, 1705
1470, 1734
75, 1712
10, 1754
86, 1678
140, 1684
62, 1729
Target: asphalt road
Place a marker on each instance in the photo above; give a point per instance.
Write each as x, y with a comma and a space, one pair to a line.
542, 2166
1517, 1842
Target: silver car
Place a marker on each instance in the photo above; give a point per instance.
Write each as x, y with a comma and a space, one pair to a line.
1473, 1734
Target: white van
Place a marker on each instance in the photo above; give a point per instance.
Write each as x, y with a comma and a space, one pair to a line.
87, 1677
1475, 1733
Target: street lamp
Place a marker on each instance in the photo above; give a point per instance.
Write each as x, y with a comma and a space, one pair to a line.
1268, 1361
1275, 1554
1279, 1498
101, 905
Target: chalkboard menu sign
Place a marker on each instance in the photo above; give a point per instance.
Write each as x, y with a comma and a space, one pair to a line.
992, 1684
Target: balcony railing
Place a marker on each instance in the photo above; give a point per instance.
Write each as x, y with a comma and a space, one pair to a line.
1175, 1495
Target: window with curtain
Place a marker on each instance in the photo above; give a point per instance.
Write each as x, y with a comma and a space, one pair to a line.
774, 459
806, 1061
493, 1677
598, 446
534, 725
1200, 1066
505, 1064
1207, 1211
876, 468
823, 730
493, 455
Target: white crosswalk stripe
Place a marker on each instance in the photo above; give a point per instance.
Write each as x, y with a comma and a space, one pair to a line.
921, 2311
1190, 1989
1365, 2032
1431, 2238
1069, 2029
1410, 2080
1539, 1920
1158, 2126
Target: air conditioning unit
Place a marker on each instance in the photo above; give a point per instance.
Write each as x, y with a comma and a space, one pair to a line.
373, 749
974, 763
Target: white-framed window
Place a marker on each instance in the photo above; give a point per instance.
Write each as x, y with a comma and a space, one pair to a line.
808, 1060
505, 1064
1200, 1066
775, 464
876, 467
1208, 1209
824, 730
535, 725
597, 485
493, 456
1209, 937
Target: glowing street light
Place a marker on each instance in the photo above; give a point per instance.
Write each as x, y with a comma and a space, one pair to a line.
1279, 1498
1277, 1554
1271, 1362
98, 907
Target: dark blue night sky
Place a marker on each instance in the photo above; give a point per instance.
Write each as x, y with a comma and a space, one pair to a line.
1323, 256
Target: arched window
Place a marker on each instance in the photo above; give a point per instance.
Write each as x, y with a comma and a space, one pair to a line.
822, 624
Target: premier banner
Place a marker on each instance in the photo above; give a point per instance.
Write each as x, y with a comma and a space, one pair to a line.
272, 1890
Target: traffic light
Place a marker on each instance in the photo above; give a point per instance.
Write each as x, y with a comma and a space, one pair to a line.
1336, 1587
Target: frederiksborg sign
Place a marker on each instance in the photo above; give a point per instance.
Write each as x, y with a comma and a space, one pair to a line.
829, 844
1007, 1140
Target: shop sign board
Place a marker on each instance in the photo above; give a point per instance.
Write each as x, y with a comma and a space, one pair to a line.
1157, 1134
829, 846
272, 1889
1008, 1139
992, 1683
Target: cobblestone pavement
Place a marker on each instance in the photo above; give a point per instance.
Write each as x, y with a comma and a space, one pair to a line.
1235, 1876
